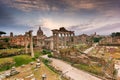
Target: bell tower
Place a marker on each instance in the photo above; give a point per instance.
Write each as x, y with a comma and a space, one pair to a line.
39, 32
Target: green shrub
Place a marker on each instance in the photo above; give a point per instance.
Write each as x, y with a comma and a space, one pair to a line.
45, 61
50, 55
46, 52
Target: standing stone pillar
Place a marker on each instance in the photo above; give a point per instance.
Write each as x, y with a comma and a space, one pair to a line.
64, 40
67, 40
26, 42
70, 37
31, 43
54, 40
57, 41
74, 39
61, 40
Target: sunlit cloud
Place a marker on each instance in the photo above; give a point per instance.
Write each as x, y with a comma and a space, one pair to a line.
52, 23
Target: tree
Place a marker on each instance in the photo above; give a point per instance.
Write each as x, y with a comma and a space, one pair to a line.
115, 34
97, 39
1, 33
6, 39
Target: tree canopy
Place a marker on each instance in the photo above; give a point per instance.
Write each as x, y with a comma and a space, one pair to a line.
115, 34
1, 33
97, 39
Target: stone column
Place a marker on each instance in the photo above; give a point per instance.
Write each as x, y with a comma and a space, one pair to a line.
68, 38
31, 43
57, 41
26, 42
54, 43
61, 40
64, 40
73, 39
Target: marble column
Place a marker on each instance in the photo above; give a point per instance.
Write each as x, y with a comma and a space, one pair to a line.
64, 40
54, 39
57, 41
31, 43
61, 40
26, 42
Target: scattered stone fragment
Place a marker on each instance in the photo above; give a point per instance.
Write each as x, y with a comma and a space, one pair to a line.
30, 76
44, 77
23, 66
33, 79
31, 63
38, 63
13, 71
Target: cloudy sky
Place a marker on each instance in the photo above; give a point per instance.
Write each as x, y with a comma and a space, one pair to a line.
81, 16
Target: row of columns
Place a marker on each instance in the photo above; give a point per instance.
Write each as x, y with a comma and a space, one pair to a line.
63, 40
28, 35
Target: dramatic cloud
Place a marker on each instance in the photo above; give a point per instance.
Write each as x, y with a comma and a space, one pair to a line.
30, 5
5, 17
101, 26
107, 29
64, 5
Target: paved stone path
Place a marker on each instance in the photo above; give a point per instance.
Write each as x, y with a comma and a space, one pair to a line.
69, 71
117, 67
88, 50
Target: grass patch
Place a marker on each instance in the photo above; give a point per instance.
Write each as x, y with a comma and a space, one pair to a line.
6, 63
22, 59
37, 53
92, 69
9, 50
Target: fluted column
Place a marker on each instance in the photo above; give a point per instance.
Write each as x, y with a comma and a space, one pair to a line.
61, 40
73, 39
54, 40
57, 41
26, 42
67, 40
64, 40
31, 43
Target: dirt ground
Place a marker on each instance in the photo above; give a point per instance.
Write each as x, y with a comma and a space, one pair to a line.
29, 72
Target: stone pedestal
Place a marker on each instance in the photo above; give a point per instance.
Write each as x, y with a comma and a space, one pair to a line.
44, 77
38, 63
13, 71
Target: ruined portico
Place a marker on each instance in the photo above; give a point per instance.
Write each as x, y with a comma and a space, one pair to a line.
63, 38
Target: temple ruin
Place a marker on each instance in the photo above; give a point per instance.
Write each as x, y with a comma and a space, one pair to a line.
63, 38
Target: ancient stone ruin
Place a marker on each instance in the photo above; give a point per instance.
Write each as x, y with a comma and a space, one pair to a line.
63, 38
13, 71
38, 63
28, 35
